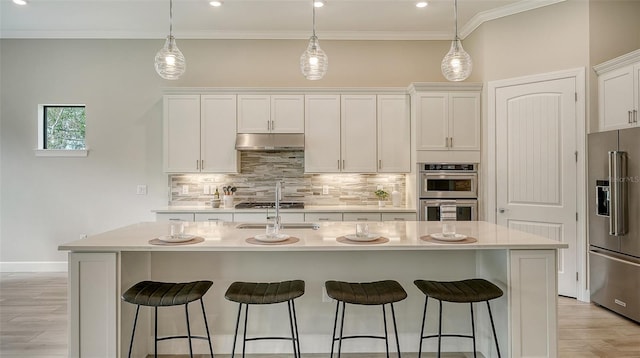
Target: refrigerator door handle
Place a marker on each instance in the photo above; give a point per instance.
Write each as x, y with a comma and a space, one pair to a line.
618, 191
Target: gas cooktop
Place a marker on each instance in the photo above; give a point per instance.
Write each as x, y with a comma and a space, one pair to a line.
270, 205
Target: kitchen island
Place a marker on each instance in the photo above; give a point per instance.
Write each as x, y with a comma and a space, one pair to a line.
103, 266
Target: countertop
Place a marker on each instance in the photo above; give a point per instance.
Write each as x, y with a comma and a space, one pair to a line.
307, 209
224, 236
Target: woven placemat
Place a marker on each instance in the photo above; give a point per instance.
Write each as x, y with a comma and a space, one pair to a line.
429, 238
344, 240
290, 240
195, 240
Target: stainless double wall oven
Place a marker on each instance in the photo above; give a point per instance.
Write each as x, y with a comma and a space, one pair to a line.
447, 185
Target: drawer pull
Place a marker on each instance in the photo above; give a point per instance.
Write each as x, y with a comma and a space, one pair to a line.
211, 219
399, 219
362, 219
175, 219
323, 219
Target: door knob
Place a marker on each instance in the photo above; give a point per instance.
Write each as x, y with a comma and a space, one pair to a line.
501, 210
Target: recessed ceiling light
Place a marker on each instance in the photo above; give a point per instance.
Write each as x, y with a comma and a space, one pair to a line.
216, 3
20, 2
318, 3
421, 4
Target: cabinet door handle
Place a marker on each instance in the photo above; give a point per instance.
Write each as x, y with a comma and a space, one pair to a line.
362, 219
273, 125
197, 164
379, 163
202, 164
450, 142
211, 219
629, 115
338, 164
323, 219
174, 219
343, 164
635, 116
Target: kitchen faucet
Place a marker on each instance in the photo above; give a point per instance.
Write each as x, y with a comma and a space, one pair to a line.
278, 194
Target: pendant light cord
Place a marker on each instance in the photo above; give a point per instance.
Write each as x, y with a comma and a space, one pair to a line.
455, 11
314, 17
170, 17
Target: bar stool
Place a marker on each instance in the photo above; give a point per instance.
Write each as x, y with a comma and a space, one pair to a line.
368, 293
465, 291
164, 294
254, 293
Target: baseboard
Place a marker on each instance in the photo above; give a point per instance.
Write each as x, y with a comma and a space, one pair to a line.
33, 266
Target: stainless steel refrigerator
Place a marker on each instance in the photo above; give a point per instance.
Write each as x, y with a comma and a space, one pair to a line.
614, 220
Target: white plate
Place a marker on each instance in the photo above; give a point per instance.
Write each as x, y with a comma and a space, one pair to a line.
174, 239
369, 237
440, 237
265, 238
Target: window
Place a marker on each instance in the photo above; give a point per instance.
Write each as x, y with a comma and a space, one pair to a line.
61, 130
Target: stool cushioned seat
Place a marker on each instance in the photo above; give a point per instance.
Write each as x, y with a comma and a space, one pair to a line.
473, 290
264, 293
154, 294
368, 293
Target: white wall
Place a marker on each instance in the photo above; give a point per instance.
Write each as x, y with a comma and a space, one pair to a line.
49, 201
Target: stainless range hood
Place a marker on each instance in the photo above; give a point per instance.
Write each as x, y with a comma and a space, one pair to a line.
270, 141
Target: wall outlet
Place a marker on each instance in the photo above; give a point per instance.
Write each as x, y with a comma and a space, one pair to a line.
325, 297
141, 189
325, 190
185, 189
83, 236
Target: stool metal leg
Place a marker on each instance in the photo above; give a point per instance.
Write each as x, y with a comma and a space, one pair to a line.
335, 325
440, 330
424, 320
386, 336
135, 321
493, 328
295, 322
186, 312
244, 332
235, 336
395, 329
206, 326
341, 329
473, 331
293, 336
155, 343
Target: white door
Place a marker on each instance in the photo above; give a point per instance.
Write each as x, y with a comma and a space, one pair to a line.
536, 169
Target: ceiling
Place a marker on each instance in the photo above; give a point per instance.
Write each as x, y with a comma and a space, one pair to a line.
252, 19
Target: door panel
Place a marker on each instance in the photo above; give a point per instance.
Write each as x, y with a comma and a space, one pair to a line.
536, 166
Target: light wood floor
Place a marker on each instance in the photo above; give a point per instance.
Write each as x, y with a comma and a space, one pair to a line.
33, 323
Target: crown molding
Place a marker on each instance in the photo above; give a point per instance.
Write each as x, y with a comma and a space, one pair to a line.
416, 87
618, 62
504, 11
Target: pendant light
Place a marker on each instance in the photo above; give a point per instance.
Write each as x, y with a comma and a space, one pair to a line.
314, 62
456, 65
170, 63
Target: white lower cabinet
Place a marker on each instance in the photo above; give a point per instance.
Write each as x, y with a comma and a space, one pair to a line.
398, 216
315, 217
214, 217
361, 216
174, 216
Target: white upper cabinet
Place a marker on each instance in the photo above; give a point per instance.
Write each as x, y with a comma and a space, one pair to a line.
199, 134
181, 132
270, 114
358, 133
619, 92
322, 134
218, 134
394, 134
448, 121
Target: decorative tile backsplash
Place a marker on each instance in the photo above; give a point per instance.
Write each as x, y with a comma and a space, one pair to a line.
259, 172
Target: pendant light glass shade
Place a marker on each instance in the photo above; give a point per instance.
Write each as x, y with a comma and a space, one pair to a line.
314, 62
169, 62
456, 64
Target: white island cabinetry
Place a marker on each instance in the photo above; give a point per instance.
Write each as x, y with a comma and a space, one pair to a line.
524, 266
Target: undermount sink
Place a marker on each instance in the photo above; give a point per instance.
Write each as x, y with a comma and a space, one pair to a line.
312, 226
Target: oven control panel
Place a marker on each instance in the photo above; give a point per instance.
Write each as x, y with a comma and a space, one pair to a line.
444, 167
